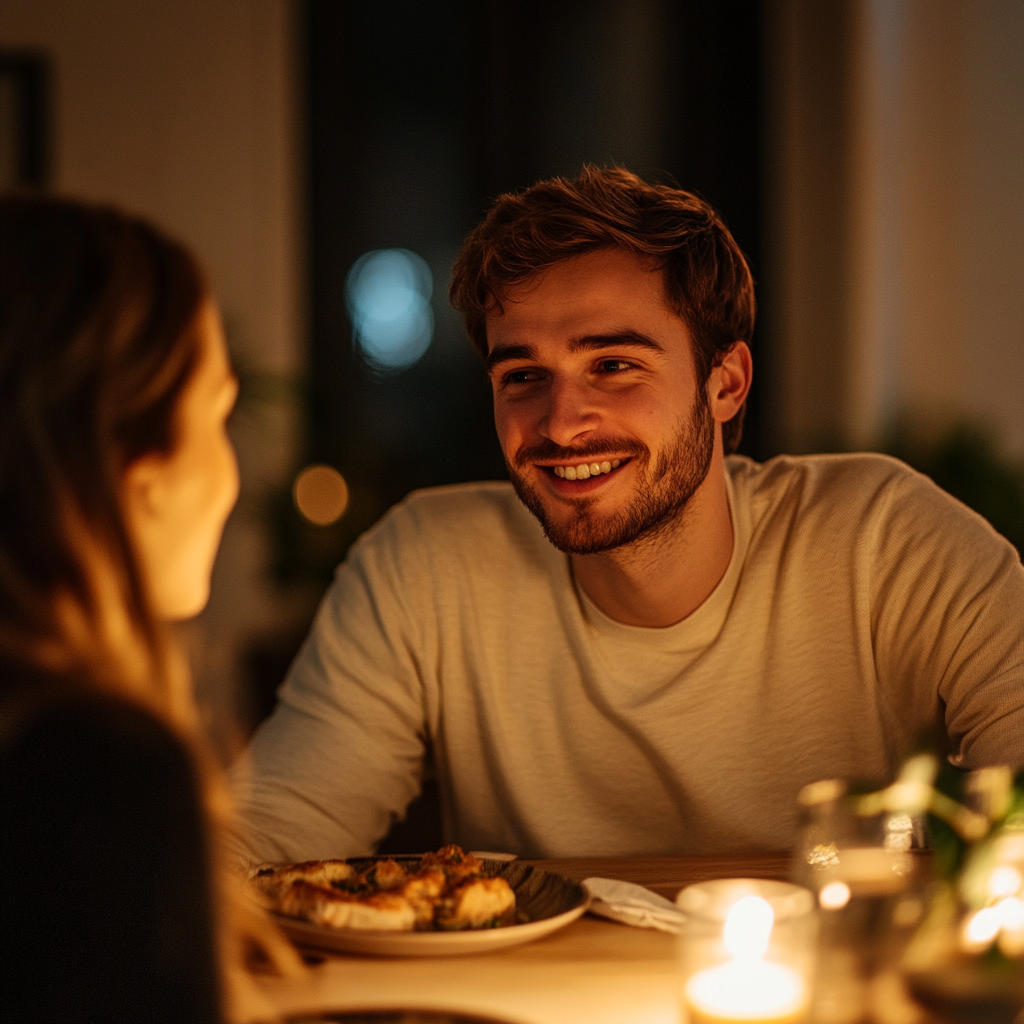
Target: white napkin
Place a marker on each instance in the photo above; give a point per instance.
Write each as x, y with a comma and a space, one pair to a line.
633, 904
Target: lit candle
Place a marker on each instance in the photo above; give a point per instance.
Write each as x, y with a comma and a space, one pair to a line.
747, 987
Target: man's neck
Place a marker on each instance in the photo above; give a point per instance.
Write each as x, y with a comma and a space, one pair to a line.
658, 581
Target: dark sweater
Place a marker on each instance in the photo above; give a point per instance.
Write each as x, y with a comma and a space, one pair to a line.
105, 899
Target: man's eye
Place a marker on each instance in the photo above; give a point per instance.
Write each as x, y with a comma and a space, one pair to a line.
520, 377
614, 365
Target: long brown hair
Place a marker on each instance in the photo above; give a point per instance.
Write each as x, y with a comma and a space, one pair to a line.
98, 341
707, 279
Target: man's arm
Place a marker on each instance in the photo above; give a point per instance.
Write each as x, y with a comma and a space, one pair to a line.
341, 756
948, 621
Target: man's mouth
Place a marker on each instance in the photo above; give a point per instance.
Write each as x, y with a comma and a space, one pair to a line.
585, 470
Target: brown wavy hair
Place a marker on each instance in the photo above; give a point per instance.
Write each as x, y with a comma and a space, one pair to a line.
707, 278
98, 341
96, 346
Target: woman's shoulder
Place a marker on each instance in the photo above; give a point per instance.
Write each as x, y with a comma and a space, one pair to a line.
105, 827
93, 761
48, 709
73, 754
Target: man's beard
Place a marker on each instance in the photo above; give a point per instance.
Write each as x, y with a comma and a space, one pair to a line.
663, 488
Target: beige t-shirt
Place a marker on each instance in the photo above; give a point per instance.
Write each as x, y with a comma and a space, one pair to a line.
862, 607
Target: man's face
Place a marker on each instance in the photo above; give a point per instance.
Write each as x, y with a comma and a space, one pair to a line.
605, 431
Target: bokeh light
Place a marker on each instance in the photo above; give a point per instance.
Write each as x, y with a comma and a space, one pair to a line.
834, 896
980, 929
1005, 880
321, 494
388, 295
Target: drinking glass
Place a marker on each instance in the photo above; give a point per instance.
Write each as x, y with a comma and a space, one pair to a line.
869, 881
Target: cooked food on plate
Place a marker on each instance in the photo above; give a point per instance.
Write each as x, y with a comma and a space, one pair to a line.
444, 891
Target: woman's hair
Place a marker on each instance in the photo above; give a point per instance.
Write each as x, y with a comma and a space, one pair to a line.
97, 342
707, 280
99, 338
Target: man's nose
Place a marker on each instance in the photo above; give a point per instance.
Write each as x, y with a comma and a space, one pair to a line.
571, 412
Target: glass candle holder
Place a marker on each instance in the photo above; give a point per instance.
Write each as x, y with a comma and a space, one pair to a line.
746, 952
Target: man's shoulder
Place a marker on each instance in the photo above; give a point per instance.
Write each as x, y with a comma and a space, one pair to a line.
852, 491
847, 482
841, 471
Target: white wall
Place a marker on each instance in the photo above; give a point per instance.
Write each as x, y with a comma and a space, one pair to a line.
899, 217
184, 110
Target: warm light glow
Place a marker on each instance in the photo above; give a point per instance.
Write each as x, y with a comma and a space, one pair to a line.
747, 988
981, 928
321, 494
834, 896
1004, 881
748, 927
747, 991
1011, 940
1005, 920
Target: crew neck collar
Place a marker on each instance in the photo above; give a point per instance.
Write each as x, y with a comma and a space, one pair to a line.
702, 624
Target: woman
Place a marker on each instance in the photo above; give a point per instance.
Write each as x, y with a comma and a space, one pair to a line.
116, 477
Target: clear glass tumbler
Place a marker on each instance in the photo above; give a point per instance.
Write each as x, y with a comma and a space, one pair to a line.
868, 878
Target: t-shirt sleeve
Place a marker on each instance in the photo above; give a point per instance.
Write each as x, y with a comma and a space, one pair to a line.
341, 756
948, 622
106, 909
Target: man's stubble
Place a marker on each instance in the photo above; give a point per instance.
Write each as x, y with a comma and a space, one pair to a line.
663, 488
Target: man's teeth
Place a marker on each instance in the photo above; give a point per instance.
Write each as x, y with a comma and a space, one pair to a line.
586, 470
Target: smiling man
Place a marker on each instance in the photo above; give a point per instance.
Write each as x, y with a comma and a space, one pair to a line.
608, 429
644, 645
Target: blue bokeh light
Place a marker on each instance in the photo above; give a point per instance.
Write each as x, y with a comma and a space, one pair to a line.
388, 296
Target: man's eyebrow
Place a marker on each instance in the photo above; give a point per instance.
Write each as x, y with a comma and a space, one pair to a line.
629, 339
632, 339
506, 353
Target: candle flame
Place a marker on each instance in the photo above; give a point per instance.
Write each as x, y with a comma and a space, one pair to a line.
748, 927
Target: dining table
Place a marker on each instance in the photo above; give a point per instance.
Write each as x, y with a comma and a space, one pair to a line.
593, 971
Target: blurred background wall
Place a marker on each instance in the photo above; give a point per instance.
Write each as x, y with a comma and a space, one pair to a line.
896, 218
868, 155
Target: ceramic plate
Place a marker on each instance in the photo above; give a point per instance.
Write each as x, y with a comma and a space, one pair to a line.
545, 902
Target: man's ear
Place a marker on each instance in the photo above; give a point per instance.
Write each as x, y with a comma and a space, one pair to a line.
729, 382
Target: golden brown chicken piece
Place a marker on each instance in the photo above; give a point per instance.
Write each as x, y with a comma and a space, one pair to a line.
384, 874
478, 903
447, 892
456, 864
380, 911
273, 880
423, 890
